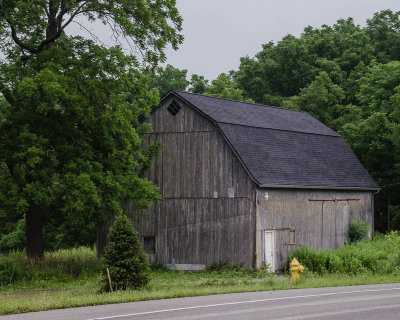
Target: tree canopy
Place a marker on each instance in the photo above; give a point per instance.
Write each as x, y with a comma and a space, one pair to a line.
70, 127
168, 78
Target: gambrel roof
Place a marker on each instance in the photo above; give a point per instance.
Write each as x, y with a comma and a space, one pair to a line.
281, 147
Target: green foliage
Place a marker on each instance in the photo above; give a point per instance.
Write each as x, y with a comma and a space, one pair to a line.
58, 266
15, 240
284, 68
280, 69
371, 139
376, 256
358, 230
221, 265
383, 29
10, 271
225, 87
3, 106
168, 78
322, 99
150, 25
393, 238
310, 258
74, 262
198, 84
379, 88
70, 130
124, 257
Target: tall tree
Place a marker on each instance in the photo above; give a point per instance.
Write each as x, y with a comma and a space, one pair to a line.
280, 69
384, 30
168, 78
225, 87
198, 84
322, 99
377, 86
70, 137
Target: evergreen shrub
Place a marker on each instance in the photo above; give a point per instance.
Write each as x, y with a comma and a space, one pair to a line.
124, 257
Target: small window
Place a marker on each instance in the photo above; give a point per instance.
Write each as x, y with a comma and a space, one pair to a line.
292, 237
149, 244
173, 108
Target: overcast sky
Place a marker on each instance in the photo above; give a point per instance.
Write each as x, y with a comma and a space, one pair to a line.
219, 32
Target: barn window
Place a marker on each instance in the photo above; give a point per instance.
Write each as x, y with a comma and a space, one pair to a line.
149, 244
292, 237
173, 107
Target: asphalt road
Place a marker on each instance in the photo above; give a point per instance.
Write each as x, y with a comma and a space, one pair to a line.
341, 303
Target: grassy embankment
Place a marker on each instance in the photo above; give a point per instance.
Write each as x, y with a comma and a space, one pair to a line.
70, 278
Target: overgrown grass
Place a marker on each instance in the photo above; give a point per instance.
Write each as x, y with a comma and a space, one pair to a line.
70, 278
378, 256
61, 266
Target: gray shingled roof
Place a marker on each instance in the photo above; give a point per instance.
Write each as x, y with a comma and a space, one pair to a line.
283, 147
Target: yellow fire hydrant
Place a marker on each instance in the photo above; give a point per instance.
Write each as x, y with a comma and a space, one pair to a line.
295, 269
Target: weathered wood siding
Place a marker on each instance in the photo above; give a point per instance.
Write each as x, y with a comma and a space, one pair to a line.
190, 225
319, 224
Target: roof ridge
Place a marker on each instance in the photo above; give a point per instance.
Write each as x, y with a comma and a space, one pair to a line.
313, 133
250, 103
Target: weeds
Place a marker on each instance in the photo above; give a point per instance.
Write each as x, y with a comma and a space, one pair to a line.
59, 266
10, 271
358, 230
375, 256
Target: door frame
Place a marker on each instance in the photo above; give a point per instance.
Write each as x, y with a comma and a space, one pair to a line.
272, 231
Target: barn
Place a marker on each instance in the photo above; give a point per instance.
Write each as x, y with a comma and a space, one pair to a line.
247, 183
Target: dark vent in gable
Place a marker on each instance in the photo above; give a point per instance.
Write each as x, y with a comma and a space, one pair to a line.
173, 107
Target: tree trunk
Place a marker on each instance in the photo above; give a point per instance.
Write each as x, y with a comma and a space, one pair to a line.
34, 233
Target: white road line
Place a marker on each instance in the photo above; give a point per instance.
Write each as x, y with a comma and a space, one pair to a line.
242, 302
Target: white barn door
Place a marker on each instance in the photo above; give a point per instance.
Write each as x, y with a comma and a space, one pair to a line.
269, 245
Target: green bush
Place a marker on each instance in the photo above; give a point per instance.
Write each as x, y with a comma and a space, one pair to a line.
15, 240
394, 263
313, 260
376, 256
393, 238
124, 257
10, 271
221, 265
358, 230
